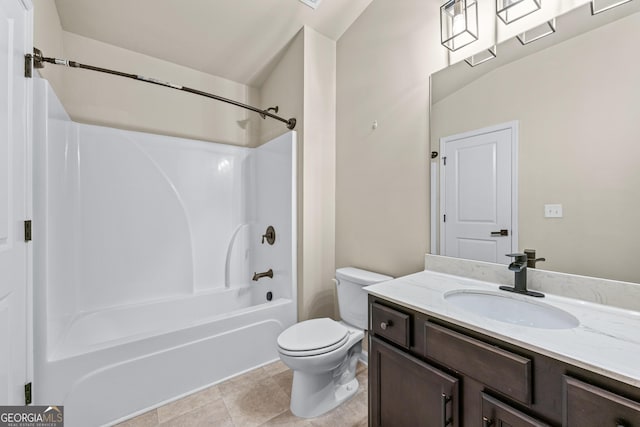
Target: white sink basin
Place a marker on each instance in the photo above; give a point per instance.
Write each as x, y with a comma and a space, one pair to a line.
515, 309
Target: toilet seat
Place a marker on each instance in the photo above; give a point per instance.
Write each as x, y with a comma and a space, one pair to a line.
312, 337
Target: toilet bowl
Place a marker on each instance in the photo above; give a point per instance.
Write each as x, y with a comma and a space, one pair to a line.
323, 353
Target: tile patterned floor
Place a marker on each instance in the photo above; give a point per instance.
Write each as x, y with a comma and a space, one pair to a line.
259, 398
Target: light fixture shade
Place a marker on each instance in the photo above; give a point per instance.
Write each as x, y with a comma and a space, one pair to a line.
537, 33
312, 3
482, 57
458, 23
512, 10
599, 6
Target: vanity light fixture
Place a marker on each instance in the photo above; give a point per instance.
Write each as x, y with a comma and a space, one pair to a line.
512, 10
482, 57
458, 23
599, 6
312, 3
538, 32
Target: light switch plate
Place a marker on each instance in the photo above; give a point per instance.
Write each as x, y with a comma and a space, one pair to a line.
553, 211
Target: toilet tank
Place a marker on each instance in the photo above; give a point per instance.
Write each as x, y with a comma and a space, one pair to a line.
352, 299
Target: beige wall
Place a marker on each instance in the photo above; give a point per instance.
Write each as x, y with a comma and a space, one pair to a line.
302, 84
577, 104
382, 175
113, 101
101, 99
319, 192
48, 37
284, 87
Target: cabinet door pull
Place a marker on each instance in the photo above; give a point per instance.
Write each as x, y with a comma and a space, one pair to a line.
621, 423
445, 399
486, 422
385, 325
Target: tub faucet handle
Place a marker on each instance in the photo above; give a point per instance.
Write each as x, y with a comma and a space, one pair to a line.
270, 235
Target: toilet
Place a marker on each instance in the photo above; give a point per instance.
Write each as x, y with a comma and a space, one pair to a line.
323, 353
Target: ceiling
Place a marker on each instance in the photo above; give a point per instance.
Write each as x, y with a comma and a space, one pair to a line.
234, 39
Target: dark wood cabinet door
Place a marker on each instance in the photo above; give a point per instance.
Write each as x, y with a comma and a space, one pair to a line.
589, 406
498, 414
406, 392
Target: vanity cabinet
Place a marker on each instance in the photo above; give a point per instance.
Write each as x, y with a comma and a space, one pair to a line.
410, 392
586, 404
424, 371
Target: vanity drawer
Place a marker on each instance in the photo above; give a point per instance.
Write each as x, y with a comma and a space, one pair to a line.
497, 413
390, 324
501, 370
586, 405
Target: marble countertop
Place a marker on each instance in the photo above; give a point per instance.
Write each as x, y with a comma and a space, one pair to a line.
607, 341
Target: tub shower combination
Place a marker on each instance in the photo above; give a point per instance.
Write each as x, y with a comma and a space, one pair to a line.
146, 247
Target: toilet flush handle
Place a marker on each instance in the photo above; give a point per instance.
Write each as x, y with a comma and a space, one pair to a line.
336, 281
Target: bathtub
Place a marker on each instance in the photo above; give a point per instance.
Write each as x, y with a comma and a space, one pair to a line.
130, 370
90, 332
143, 259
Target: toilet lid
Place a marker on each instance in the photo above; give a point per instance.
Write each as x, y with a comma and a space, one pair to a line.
312, 334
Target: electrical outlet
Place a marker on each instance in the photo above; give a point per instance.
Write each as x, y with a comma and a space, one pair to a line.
553, 211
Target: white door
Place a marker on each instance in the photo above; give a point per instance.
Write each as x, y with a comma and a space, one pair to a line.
478, 194
15, 40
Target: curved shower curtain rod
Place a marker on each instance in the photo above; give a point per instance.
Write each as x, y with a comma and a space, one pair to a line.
39, 60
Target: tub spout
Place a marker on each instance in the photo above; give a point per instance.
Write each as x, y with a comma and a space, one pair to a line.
257, 276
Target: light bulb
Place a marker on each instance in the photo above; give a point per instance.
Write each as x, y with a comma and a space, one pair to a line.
458, 24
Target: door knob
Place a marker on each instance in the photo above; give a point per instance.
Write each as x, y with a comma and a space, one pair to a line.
500, 233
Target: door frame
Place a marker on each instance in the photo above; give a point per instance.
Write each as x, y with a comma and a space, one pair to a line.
29, 40
20, 307
514, 127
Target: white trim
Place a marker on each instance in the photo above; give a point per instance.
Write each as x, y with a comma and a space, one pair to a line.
434, 207
28, 48
514, 127
294, 221
515, 230
441, 228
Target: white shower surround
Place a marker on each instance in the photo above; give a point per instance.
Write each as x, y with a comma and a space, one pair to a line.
144, 250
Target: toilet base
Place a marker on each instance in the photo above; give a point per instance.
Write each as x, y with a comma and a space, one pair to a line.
313, 395
324, 381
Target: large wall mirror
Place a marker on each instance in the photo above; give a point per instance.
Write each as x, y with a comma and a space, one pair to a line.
575, 99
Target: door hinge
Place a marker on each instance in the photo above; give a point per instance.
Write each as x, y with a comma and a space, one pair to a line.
444, 161
32, 61
27, 230
27, 394
28, 65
